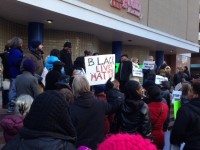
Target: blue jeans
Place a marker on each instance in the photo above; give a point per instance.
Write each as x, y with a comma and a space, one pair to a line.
12, 92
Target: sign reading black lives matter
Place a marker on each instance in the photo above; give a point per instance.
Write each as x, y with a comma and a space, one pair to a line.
100, 68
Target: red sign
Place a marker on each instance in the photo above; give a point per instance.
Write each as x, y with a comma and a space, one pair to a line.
133, 6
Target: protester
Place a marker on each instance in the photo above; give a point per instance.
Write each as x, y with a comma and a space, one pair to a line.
126, 142
158, 112
36, 54
187, 124
66, 58
54, 56
6, 76
12, 124
26, 83
134, 114
54, 76
47, 126
88, 113
125, 70
14, 61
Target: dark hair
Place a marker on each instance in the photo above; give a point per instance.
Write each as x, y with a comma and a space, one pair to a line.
154, 93
196, 86
124, 55
87, 53
186, 67
131, 88
55, 52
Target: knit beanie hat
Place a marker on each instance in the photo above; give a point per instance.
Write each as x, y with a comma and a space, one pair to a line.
131, 88
50, 113
35, 44
126, 142
99, 88
29, 65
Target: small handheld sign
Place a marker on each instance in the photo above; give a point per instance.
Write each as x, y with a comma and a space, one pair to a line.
148, 65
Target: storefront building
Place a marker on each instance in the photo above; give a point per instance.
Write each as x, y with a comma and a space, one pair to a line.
164, 29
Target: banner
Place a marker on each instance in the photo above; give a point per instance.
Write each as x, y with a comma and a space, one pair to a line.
159, 79
176, 95
137, 72
100, 68
148, 65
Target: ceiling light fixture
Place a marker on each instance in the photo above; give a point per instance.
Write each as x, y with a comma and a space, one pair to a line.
49, 21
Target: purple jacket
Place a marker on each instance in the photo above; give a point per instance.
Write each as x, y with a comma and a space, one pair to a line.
11, 125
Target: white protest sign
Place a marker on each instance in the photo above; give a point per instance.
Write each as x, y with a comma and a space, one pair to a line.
137, 72
176, 95
148, 65
100, 68
159, 79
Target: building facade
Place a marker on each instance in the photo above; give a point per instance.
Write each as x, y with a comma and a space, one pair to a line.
164, 29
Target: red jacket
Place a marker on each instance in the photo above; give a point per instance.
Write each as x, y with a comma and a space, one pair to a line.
11, 125
158, 113
106, 120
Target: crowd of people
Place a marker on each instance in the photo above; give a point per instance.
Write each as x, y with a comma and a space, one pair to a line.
53, 106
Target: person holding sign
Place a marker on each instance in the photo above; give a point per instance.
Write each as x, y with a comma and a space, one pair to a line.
149, 69
125, 70
88, 113
187, 125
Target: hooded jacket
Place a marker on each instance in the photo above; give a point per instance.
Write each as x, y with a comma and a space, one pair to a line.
187, 126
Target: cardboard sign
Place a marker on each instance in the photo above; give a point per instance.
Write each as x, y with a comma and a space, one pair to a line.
137, 72
159, 79
100, 68
148, 65
176, 95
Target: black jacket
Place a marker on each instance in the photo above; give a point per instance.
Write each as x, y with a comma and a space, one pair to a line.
187, 126
125, 69
134, 118
87, 114
32, 140
66, 58
4, 58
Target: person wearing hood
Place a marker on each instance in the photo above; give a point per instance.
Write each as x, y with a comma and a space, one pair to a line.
134, 114
186, 128
36, 54
88, 113
26, 83
158, 113
47, 126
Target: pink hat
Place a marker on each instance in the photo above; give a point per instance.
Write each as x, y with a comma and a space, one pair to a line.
126, 142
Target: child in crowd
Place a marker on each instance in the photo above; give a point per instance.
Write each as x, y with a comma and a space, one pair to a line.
12, 124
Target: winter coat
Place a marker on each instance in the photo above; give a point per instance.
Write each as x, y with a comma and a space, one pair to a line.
11, 125
66, 58
87, 114
14, 61
50, 61
4, 58
26, 83
102, 96
187, 126
35, 140
125, 70
158, 112
134, 118
37, 57
52, 77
